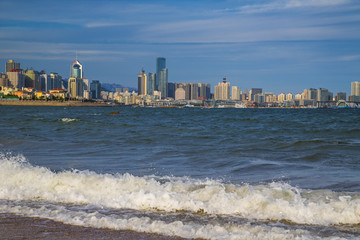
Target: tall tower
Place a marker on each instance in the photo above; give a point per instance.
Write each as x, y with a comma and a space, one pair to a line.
163, 82
142, 83
151, 83
11, 65
76, 69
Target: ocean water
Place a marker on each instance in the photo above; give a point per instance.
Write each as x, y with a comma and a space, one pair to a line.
193, 173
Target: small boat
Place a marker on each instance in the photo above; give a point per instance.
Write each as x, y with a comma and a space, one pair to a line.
114, 113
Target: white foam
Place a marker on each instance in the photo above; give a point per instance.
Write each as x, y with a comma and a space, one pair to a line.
275, 201
145, 224
68, 120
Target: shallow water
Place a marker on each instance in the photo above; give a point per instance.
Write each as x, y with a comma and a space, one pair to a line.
209, 173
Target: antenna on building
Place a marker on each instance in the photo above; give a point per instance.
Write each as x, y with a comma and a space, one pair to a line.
76, 55
224, 79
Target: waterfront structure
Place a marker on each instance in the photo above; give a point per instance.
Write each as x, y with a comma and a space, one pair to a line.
142, 83
151, 83
222, 90
298, 96
32, 79
11, 65
4, 81
163, 82
16, 79
341, 96
323, 95
95, 89
55, 81
253, 92
235, 93
289, 97
355, 90
75, 88
281, 97
180, 94
194, 91
204, 90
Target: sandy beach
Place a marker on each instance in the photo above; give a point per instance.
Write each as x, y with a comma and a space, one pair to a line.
18, 227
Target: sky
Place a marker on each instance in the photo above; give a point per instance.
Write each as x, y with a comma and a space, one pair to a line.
278, 45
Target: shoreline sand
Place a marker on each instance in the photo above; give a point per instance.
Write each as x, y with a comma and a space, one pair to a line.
19, 227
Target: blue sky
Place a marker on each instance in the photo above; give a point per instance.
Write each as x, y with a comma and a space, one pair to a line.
278, 45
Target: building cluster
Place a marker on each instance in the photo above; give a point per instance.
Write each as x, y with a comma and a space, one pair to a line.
321, 97
32, 84
155, 89
157, 84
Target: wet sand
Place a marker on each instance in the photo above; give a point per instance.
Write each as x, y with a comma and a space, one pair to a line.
18, 227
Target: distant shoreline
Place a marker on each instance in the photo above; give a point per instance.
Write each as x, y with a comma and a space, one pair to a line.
52, 103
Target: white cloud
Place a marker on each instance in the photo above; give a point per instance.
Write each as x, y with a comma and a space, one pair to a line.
349, 58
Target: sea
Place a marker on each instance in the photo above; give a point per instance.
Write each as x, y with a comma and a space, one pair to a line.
187, 172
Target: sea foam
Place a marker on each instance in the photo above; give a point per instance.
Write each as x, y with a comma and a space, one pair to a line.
274, 201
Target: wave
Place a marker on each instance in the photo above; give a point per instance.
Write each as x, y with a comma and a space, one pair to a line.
69, 120
275, 201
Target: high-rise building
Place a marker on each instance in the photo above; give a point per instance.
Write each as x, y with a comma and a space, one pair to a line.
323, 95
16, 79
95, 89
253, 92
4, 81
163, 82
355, 89
289, 97
194, 91
11, 65
32, 79
281, 97
56, 80
75, 87
235, 93
151, 83
171, 90
160, 64
180, 94
204, 90
222, 90
76, 69
341, 96
142, 83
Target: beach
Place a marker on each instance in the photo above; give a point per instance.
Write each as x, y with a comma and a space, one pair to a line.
18, 227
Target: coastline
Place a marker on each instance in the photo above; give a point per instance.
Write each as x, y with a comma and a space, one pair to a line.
52, 103
18, 227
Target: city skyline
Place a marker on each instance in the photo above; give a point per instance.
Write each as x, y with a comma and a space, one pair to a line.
280, 45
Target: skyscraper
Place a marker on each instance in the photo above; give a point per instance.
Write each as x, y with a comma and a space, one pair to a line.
163, 82
194, 91
76, 69
160, 64
151, 83
142, 83
11, 65
235, 93
222, 90
95, 89
78, 87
